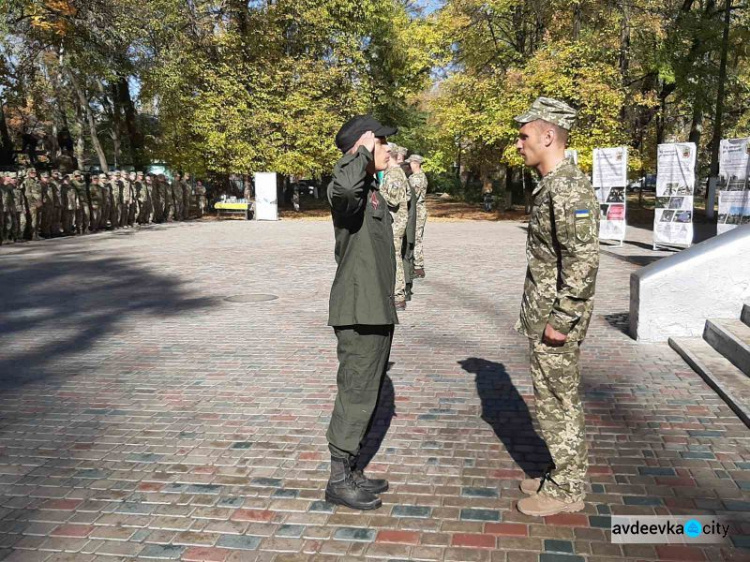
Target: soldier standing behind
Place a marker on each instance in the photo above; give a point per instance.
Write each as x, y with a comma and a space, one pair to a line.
563, 259
83, 208
186, 188
395, 190
176, 189
20, 213
34, 193
56, 187
418, 181
98, 196
200, 193
166, 190
361, 309
68, 196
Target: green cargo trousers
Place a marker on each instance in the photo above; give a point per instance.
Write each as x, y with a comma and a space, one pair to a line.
363, 353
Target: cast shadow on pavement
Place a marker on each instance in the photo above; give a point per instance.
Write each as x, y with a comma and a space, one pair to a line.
385, 411
59, 307
505, 410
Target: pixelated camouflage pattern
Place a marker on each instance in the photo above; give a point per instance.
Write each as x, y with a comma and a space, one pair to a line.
556, 375
563, 255
418, 182
551, 110
395, 191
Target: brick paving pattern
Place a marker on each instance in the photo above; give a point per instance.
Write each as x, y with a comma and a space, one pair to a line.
144, 416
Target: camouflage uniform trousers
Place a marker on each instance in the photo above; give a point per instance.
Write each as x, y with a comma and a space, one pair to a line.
556, 374
400, 220
418, 247
83, 218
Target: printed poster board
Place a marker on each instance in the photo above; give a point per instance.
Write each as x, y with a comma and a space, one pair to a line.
734, 193
675, 185
610, 179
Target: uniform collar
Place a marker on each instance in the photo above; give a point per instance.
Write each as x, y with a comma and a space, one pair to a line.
552, 173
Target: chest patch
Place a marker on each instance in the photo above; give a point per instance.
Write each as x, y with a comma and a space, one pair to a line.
582, 214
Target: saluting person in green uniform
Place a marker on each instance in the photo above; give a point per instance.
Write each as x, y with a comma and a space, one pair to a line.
361, 310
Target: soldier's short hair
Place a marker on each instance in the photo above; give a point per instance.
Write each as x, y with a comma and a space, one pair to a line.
560, 133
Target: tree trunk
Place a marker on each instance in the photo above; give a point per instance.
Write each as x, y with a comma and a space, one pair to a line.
577, 20
131, 124
719, 115
625, 41
90, 119
80, 146
7, 153
696, 127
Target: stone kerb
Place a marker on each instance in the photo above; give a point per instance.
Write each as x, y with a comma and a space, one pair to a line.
674, 296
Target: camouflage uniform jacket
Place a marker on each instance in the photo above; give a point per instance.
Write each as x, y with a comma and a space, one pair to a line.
563, 255
81, 195
418, 181
395, 188
34, 192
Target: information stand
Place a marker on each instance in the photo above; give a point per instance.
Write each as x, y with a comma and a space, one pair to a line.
734, 194
675, 186
610, 179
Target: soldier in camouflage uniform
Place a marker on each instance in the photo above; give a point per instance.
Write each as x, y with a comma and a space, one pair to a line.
563, 260
200, 193
176, 191
55, 184
166, 191
83, 209
20, 214
34, 194
68, 196
186, 199
152, 187
395, 191
98, 196
418, 182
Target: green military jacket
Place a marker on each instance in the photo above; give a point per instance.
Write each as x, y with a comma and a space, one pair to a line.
97, 195
34, 192
563, 255
363, 289
418, 182
395, 189
82, 196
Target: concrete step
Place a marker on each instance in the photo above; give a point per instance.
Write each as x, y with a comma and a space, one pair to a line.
727, 380
745, 317
731, 338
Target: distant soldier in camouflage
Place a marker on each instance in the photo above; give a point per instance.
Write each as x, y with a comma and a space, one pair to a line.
98, 195
34, 194
186, 199
2, 210
563, 260
166, 192
395, 191
68, 197
176, 191
20, 214
56, 187
418, 181
83, 209
200, 193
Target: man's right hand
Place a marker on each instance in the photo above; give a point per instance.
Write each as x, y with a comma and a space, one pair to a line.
367, 140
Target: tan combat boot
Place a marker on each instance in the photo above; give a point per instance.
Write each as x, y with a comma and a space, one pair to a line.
541, 505
531, 486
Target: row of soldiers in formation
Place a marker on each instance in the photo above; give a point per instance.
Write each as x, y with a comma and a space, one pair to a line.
404, 188
34, 205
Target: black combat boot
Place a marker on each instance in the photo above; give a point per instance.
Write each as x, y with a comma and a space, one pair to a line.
343, 490
372, 485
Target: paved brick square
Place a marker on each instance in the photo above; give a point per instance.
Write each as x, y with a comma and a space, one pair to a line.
152, 408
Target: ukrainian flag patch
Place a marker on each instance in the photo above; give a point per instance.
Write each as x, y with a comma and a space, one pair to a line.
582, 213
